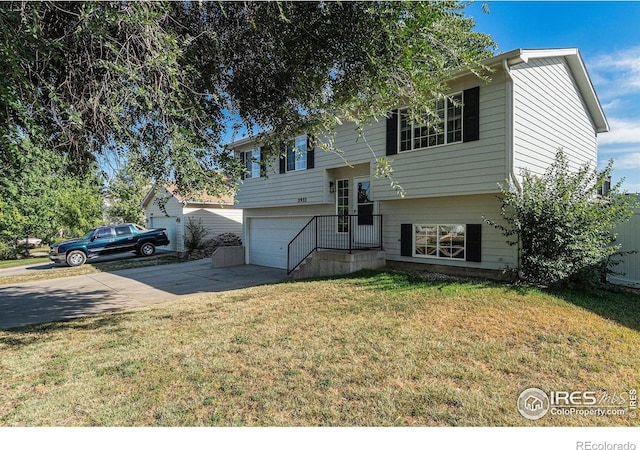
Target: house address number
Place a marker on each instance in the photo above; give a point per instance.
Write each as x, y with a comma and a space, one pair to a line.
302, 199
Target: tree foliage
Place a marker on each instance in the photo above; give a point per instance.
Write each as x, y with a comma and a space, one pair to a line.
38, 196
562, 226
157, 80
125, 194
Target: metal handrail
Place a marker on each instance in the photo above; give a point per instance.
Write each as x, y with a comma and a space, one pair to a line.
334, 232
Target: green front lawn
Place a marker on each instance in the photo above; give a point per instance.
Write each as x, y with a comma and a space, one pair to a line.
374, 349
7, 263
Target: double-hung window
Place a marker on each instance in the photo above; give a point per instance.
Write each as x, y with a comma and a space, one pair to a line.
252, 163
430, 132
297, 154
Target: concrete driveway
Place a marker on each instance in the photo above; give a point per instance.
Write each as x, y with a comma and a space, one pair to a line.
83, 295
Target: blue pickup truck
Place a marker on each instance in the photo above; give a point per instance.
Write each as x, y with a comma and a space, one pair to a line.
107, 240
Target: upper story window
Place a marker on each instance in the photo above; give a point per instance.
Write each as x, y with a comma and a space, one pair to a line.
447, 130
297, 154
251, 160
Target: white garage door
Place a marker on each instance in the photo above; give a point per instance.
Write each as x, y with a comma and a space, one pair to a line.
171, 225
269, 238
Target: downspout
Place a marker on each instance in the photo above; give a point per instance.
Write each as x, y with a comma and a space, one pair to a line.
510, 124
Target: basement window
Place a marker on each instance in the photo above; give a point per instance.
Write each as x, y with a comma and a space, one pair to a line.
439, 241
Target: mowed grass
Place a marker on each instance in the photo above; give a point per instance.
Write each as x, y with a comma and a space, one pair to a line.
7, 263
374, 349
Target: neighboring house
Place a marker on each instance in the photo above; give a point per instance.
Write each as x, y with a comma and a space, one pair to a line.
164, 209
629, 267
536, 102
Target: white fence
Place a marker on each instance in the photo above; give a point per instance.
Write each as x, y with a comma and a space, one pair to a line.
629, 237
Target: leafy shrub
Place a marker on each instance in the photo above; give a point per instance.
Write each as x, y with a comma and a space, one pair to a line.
195, 235
562, 225
7, 251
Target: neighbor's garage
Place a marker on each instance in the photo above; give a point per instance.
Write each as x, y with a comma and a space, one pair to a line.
171, 224
165, 208
267, 239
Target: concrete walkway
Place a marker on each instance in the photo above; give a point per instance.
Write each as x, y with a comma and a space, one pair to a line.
65, 298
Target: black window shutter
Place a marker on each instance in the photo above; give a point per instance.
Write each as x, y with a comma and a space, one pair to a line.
283, 159
406, 239
263, 164
474, 242
242, 159
311, 153
471, 114
392, 133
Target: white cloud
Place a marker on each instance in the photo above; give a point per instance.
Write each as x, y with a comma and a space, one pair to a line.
631, 187
615, 150
623, 131
618, 72
628, 161
612, 105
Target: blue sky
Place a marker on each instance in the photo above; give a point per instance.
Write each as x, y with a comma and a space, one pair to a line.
608, 36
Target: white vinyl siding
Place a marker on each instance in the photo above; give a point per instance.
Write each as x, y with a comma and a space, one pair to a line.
460, 168
293, 188
549, 113
216, 220
470, 209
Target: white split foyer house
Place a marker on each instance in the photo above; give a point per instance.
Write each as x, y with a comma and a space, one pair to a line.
311, 205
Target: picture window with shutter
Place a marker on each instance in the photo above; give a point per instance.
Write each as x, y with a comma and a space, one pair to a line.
439, 241
297, 154
446, 129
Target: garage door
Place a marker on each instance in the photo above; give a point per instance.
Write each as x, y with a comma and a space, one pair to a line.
171, 225
269, 237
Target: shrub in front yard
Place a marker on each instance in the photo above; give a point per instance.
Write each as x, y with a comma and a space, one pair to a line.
195, 235
562, 225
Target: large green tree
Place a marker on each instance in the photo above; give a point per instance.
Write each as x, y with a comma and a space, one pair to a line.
40, 197
125, 192
160, 80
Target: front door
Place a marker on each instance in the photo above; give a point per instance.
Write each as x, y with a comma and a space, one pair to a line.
363, 233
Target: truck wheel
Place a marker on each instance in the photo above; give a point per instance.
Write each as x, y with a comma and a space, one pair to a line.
147, 249
76, 258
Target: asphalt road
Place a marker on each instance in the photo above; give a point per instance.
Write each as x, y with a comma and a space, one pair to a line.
82, 295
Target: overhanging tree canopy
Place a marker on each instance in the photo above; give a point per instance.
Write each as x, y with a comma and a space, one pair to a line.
159, 79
